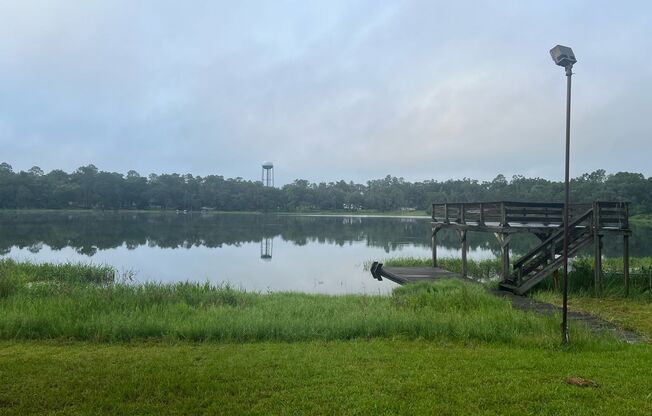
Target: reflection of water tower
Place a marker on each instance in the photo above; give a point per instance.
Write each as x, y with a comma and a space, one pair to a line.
266, 246
268, 174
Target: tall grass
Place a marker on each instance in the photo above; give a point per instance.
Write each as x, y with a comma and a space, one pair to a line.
56, 272
14, 275
581, 277
449, 310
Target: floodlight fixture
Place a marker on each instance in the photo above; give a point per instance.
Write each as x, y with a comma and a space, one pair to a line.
563, 56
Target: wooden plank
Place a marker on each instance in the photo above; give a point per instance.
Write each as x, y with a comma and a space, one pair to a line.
405, 275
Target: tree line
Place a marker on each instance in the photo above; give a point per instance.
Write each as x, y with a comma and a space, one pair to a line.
90, 188
88, 232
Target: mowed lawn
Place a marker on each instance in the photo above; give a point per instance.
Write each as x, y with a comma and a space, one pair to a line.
323, 377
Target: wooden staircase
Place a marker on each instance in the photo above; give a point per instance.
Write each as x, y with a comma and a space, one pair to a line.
547, 257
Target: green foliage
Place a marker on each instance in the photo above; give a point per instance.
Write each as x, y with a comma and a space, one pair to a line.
446, 296
47, 305
13, 272
88, 187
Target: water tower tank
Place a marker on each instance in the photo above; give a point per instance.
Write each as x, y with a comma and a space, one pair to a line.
267, 176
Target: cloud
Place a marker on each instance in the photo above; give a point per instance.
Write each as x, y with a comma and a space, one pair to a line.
327, 90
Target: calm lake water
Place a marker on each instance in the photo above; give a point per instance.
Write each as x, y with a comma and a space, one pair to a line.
259, 252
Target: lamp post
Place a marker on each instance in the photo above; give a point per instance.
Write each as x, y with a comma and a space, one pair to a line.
563, 56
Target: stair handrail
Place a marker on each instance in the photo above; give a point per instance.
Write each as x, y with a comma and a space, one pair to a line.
519, 263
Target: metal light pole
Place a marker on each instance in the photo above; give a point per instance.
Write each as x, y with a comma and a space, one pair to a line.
563, 56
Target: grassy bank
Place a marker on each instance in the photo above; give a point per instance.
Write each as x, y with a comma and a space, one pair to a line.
632, 313
75, 341
50, 302
336, 377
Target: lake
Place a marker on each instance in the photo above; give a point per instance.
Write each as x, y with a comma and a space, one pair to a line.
256, 252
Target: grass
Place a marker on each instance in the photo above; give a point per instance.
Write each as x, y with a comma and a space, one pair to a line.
642, 219
634, 314
335, 377
76, 342
57, 272
15, 275
76, 307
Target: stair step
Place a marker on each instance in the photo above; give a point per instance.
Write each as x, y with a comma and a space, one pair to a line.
536, 278
542, 265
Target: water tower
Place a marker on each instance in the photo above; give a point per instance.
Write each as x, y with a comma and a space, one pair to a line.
268, 174
266, 248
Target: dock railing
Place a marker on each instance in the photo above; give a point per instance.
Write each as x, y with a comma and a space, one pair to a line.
506, 213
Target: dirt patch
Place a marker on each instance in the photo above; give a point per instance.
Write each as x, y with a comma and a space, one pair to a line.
580, 382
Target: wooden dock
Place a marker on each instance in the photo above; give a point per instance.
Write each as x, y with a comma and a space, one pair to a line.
588, 224
403, 275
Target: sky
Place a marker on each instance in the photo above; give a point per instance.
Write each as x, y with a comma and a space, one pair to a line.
326, 90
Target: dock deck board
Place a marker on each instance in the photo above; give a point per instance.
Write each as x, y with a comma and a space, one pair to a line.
403, 275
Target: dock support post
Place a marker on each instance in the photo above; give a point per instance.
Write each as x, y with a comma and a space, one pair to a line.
626, 263
465, 247
435, 229
555, 274
503, 240
504, 251
597, 246
597, 249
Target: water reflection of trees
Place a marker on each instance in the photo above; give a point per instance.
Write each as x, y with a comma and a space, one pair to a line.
88, 232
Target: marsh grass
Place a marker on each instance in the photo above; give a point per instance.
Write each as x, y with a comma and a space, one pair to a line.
581, 277
29, 272
69, 307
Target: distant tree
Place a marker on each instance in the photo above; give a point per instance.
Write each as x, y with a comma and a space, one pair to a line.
88, 187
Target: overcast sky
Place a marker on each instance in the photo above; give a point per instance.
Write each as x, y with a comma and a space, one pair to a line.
326, 90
